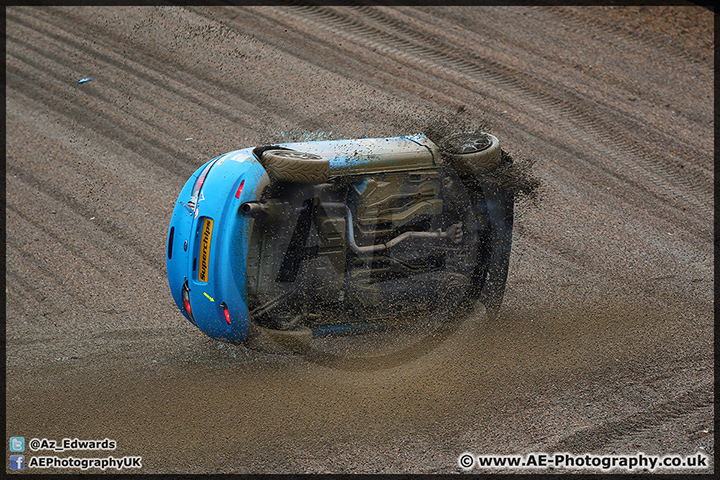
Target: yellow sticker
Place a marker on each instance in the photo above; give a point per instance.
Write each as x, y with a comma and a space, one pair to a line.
204, 262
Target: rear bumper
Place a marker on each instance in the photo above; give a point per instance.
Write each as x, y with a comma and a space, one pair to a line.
207, 246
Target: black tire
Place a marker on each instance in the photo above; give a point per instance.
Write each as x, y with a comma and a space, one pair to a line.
491, 273
472, 153
293, 166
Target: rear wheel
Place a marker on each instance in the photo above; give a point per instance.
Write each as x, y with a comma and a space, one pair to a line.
292, 166
472, 153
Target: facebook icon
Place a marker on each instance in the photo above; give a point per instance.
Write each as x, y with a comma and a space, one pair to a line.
17, 462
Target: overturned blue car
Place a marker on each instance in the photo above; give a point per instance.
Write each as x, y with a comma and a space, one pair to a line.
338, 236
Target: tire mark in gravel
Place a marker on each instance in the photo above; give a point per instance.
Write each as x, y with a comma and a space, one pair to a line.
189, 82
654, 42
286, 112
182, 86
594, 438
700, 174
62, 73
575, 121
63, 195
264, 18
106, 226
153, 147
75, 252
60, 302
91, 114
26, 290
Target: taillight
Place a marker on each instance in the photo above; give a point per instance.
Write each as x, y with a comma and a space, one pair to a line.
186, 301
240, 189
226, 311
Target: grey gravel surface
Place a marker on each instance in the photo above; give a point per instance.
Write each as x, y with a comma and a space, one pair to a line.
604, 344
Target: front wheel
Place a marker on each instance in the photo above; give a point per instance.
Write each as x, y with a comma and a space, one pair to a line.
490, 276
